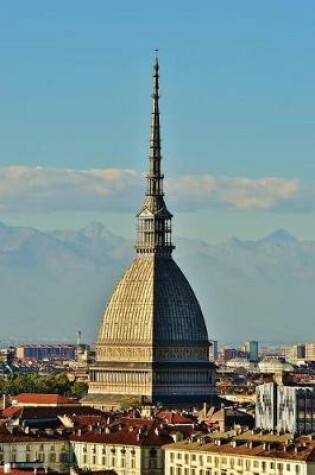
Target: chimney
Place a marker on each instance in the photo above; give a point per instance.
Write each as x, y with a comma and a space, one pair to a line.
204, 412
4, 401
7, 468
222, 421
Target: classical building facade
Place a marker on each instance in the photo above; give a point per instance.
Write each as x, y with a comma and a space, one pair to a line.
237, 457
153, 341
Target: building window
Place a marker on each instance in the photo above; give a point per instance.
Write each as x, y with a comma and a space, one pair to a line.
172, 457
152, 463
52, 458
63, 458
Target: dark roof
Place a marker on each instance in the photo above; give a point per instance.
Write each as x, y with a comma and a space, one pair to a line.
41, 412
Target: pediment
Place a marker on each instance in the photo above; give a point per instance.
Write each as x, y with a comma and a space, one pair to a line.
145, 213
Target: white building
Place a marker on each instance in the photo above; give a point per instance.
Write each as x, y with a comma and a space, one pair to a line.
233, 456
285, 408
28, 452
129, 451
266, 406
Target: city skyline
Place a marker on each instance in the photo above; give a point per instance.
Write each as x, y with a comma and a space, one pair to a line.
237, 115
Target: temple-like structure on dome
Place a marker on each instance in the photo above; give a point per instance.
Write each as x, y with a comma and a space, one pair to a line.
153, 343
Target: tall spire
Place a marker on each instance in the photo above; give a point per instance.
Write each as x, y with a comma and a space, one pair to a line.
154, 219
154, 177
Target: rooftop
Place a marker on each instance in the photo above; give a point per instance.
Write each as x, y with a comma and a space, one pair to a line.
251, 445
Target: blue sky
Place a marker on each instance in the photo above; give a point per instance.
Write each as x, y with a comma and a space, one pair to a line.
238, 100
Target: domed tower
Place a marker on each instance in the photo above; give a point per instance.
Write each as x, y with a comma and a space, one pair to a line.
153, 343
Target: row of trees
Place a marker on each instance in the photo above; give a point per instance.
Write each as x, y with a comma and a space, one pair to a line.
35, 383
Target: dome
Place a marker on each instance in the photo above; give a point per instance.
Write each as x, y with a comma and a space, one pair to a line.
153, 303
239, 363
153, 341
273, 365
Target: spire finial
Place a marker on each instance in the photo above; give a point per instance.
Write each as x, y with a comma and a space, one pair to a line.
154, 219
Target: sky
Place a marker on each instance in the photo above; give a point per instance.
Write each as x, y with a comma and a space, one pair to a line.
237, 113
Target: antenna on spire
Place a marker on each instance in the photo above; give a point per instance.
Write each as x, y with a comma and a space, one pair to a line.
156, 65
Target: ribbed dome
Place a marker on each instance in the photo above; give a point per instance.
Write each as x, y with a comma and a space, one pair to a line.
153, 341
153, 304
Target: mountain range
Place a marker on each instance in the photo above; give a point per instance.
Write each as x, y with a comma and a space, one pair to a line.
54, 283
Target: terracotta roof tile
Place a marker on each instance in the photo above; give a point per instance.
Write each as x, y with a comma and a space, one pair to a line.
127, 435
303, 453
173, 417
34, 398
11, 411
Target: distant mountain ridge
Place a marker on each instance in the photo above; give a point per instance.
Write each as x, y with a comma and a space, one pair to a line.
53, 283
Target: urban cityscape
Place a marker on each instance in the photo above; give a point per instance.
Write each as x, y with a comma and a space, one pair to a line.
150, 385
